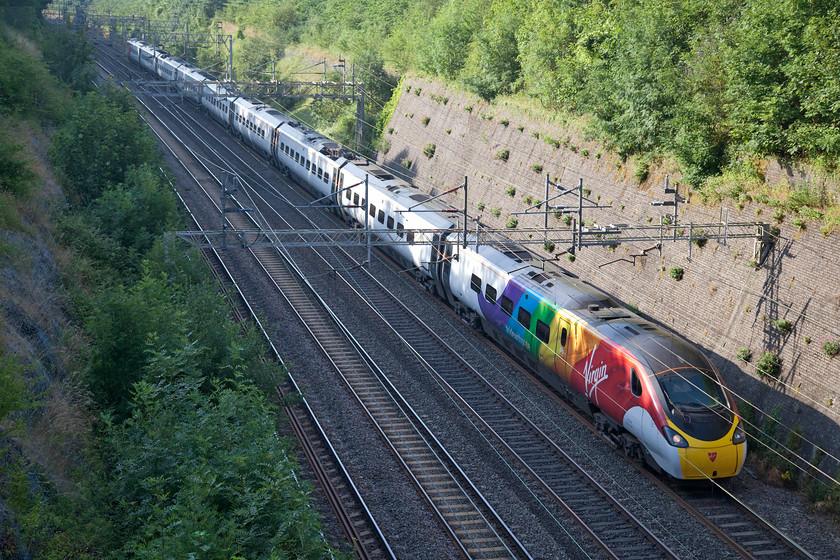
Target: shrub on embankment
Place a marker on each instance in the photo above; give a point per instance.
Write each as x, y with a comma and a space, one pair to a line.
142, 430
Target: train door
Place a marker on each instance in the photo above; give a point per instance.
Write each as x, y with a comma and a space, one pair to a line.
274, 157
564, 348
334, 188
441, 266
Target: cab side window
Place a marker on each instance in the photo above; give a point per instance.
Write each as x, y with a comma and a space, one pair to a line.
635, 383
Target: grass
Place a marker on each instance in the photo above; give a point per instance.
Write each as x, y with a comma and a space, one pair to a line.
807, 202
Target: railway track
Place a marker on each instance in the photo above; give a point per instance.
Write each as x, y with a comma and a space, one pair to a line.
737, 525
535, 458
353, 514
472, 523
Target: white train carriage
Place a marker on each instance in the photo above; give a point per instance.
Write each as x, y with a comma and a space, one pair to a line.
389, 207
310, 158
216, 100
142, 53
256, 123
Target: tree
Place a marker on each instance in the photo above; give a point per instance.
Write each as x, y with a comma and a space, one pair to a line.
492, 66
103, 139
203, 473
136, 212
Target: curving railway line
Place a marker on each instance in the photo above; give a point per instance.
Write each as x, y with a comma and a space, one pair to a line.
559, 486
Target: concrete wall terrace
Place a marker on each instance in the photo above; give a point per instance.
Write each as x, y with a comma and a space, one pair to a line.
722, 304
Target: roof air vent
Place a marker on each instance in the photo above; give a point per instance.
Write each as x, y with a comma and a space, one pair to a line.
593, 307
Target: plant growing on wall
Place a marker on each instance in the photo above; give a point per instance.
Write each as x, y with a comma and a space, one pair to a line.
784, 326
429, 150
768, 364
676, 273
503, 154
511, 223
744, 354
830, 348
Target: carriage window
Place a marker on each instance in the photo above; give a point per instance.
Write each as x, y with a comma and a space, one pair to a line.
307, 165
326, 178
320, 172
356, 199
542, 331
381, 217
372, 210
507, 305
390, 223
475, 284
635, 383
490, 294
524, 317
400, 229
563, 334
347, 194
410, 237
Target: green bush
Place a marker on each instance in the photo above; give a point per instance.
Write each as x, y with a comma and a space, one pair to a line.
768, 364
182, 486
831, 348
15, 175
511, 223
103, 139
783, 325
744, 354
503, 154
510, 191
429, 150
536, 168
496, 212
676, 273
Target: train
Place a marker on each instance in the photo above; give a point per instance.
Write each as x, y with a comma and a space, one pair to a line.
648, 391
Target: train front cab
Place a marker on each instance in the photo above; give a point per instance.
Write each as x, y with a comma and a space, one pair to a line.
703, 439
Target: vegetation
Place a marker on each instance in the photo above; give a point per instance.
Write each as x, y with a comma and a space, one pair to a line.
744, 354
676, 272
716, 87
768, 364
159, 366
783, 326
831, 348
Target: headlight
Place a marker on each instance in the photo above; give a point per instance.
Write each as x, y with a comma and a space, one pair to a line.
739, 436
673, 437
